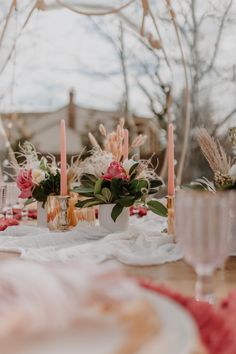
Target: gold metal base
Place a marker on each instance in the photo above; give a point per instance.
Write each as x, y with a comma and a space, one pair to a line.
171, 215
58, 207
62, 214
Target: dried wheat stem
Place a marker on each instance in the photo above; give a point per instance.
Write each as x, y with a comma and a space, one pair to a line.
213, 152
93, 141
102, 129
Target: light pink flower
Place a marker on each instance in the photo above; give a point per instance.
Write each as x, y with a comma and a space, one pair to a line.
24, 183
115, 170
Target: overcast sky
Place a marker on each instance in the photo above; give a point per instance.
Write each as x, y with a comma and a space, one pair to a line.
59, 50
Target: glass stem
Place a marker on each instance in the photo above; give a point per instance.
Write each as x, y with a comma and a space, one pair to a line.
204, 290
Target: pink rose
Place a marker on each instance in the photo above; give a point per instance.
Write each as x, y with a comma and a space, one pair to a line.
115, 170
24, 183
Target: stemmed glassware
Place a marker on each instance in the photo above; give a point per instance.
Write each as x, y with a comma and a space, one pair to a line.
202, 228
12, 201
3, 197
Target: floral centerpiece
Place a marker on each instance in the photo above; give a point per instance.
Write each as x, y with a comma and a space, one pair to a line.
39, 180
38, 176
222, 165
108, 178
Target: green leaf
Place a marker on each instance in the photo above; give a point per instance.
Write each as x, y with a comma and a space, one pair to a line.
91, 177
83, 190
82, 203
107, 194
194, 186
94, 203
115, 187
51, 185
201, 184
87, 194
152, 191
116, 211
142, 183
126, 201
101, 198
133, 169
29, 201
133, 184
39, 194
158, 208
98, 186
155, 183
88, 180
87, 203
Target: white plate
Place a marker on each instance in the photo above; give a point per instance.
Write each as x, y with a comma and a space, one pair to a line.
177, 335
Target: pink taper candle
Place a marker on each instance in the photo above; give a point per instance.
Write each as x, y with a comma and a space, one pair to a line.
126, 144
171, 170
63, 159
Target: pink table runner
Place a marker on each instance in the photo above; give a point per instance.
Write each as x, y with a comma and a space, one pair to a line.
216, 324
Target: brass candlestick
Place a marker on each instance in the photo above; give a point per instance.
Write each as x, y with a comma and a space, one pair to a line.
62, 214
171, 215
58, 210
63, 220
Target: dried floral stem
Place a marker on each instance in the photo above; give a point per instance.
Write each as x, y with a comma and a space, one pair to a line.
93, 141
102, 130
114, 141
138, 141
213, 152
74, 170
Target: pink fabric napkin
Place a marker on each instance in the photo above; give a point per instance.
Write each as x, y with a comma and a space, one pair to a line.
32, 213
216, 324
4, 223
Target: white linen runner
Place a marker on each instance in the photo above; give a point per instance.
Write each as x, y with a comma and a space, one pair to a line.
143, 244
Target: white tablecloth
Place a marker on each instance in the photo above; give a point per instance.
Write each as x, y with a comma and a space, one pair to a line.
143, 244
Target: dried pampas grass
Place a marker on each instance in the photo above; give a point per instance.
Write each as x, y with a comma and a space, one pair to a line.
93, 141
74, 170
102, 130
213, 152
114, 142
138, 141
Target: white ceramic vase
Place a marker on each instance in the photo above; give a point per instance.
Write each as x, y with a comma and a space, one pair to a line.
41, 215
106, 221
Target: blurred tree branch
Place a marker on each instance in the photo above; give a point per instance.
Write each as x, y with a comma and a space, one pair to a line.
224, 121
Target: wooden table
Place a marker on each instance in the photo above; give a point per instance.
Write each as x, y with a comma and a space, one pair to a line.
180, 277
176, 275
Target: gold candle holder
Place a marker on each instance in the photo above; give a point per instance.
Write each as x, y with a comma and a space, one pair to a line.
59, 214
62, 214
171, 215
